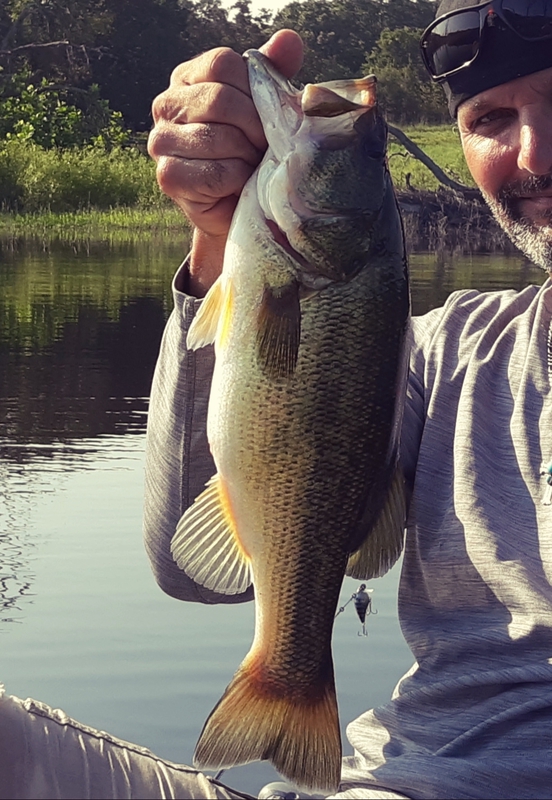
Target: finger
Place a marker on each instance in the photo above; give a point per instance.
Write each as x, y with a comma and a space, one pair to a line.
210, 102
201, 141
220, 65
285, 50
201, 181
212, 219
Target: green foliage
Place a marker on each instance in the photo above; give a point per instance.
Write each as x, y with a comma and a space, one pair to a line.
340, 34
145, 41
121, 224
128, 48
43, 114
211, 25
406, 92
33, 179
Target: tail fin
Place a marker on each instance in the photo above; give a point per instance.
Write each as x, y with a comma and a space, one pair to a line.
300, 737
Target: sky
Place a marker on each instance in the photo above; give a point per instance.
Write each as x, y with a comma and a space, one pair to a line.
256, 5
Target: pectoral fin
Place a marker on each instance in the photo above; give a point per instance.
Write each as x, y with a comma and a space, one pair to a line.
383, 545
206, 545
212, 320
279, 330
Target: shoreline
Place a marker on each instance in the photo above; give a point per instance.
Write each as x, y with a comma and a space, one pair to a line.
444, 220
433, 220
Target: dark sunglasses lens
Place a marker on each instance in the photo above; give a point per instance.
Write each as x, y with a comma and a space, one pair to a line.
452, 42
530, 20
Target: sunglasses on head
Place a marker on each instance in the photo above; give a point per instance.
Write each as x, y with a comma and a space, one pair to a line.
453, 42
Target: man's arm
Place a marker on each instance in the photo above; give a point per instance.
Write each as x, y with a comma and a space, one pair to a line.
207, 141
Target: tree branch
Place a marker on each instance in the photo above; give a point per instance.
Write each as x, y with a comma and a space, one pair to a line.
35, 46
466, 191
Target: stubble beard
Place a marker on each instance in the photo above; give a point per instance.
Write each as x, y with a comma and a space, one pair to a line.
534, 240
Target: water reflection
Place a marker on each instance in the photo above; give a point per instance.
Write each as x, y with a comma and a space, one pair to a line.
79, 333
435, 275
80, 326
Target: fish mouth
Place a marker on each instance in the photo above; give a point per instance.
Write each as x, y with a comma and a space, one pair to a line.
280, 238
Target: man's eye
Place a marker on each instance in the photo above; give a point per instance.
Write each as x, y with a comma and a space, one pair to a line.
492, 119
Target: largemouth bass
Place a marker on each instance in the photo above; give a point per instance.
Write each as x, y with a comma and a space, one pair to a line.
309, 320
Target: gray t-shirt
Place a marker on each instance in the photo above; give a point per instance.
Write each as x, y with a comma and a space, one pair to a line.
473, 717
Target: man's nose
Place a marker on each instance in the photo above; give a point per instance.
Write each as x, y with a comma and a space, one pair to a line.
535, 142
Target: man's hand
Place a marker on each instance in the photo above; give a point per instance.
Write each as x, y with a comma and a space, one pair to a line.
208, 139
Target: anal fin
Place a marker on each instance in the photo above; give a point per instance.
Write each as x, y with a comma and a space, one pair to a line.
383, 545
206, 545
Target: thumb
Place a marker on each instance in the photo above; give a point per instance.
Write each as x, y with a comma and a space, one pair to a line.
285, 50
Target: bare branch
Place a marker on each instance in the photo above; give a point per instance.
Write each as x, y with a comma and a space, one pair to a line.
466, 191
34, 46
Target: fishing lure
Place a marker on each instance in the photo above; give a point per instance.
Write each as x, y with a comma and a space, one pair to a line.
363, 606
547, 497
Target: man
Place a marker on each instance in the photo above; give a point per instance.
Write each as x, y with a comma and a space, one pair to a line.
473, 717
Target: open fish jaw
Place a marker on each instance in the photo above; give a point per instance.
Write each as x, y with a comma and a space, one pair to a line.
300, 182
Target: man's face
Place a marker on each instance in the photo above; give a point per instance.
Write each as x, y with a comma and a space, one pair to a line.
506, 134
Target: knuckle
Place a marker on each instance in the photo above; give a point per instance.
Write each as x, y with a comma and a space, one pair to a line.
172, 179
178, 75
218, 101
222, 61
159, 107
211, 65
164, 175
157, 142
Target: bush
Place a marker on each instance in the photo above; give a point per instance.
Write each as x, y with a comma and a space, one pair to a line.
48, 115
34, 179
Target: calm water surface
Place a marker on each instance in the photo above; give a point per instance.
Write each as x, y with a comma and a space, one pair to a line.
82, 624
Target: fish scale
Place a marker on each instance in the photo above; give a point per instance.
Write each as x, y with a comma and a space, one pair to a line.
309, 321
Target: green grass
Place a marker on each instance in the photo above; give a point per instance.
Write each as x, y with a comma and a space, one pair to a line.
91, 193
442, 144
116, 224
34, 180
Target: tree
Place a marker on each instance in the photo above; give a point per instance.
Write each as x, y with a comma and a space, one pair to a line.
339, 34
146, 40
45, 91
54, 38
405, 90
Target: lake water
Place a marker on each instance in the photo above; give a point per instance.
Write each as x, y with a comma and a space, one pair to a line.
83, 626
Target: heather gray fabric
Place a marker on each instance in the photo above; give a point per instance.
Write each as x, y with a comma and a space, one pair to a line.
473, 718
46, 754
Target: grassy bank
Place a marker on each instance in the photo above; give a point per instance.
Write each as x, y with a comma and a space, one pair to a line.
115, 224
34, 180
94, 194
442, 145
